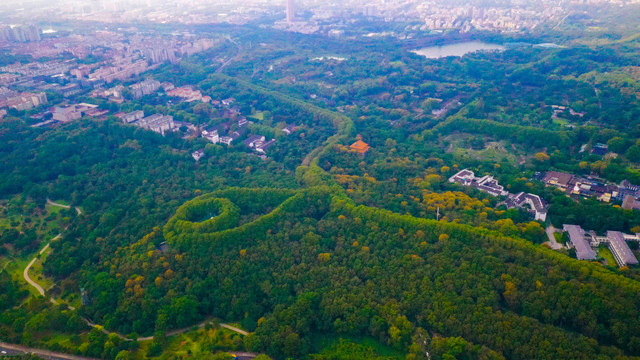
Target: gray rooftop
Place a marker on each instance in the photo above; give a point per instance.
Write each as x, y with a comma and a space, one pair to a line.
621, 251
579, 240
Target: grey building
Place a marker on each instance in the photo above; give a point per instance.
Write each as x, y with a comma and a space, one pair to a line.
581, 242
620, 250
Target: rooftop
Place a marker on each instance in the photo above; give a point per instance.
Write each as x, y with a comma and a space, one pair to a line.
558, 178
621, 251
579, 241
360, 146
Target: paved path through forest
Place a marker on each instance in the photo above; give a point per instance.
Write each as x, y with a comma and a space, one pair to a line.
25, 273
52, 355
78, 210
555, 245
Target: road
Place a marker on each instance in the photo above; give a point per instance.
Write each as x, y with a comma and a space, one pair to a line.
40, 290
25, 273
78, 210
49, 355
12, 350
234, 57
16, 349
552, 240
561, 21
243, 355
232, 328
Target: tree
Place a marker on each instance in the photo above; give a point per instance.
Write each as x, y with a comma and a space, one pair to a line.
541, 157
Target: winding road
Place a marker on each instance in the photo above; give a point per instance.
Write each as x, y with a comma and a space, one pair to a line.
25, 273
15, 349
78, 210
41, 291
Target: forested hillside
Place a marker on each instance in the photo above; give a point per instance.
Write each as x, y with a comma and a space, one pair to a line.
346, 238
317, 264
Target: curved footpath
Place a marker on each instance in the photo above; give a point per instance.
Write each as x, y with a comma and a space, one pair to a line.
11, 348
25, 273
63, 206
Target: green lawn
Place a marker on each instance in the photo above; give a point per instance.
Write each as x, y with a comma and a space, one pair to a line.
606, 254
15, 269
341, 347
191, 343
488, 154
258, 115
560, 121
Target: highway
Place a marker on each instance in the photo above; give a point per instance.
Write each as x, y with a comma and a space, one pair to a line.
11, 349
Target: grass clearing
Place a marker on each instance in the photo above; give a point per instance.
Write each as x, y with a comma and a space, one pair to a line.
493, 154
201, 343
341, 347
606, 254
258, 115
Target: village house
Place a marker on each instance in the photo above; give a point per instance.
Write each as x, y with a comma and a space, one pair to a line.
262, 148
226, 140
289, 129
522, 200
197, 155
254, 140
211, 134
558, 179
600, 149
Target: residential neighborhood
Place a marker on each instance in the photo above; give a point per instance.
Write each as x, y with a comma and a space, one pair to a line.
591, 186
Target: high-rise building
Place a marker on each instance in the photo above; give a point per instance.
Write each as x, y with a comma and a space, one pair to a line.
20, 33
291, 11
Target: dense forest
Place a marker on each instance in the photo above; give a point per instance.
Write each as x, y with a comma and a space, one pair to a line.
351, 270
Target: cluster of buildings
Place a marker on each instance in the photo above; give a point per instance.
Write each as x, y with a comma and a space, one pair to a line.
20, 33
65, 114
585, 242
531, 202
120, 58
227, 132
146, 87
188, 94
47, 68
590, 186
157, 122
444, 15
559, 109
20, 100
582, 241
120, 69
258, 143
464, 16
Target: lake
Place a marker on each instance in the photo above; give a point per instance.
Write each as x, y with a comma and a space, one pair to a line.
459, 49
